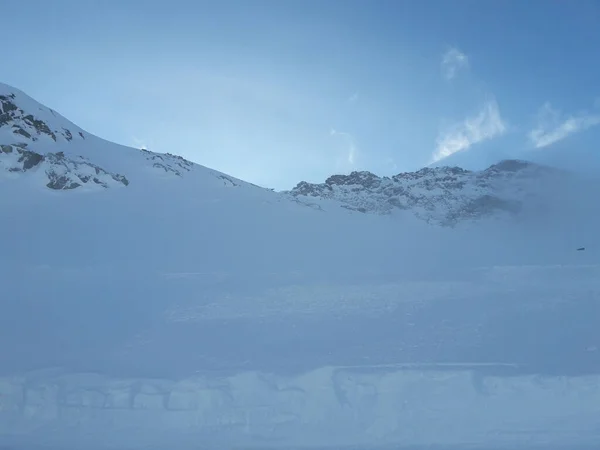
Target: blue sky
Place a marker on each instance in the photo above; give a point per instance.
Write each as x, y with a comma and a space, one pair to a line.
275, 92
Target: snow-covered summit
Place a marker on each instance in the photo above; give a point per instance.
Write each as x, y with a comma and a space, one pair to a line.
23, 120
441, 195
55, 153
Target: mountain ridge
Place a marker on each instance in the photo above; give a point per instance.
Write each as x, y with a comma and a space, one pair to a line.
442, 195
36, 139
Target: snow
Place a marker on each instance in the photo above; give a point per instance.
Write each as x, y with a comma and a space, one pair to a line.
445, 196
188, 307
333, 406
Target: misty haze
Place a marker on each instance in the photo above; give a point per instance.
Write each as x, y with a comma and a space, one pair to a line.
289, 225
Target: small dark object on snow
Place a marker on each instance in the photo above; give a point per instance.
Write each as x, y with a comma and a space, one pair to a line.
580, 249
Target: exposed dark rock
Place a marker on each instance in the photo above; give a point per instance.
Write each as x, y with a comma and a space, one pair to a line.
68, 135
30, 159
62, 172
121, 179
365, 179
27, 159
228, 181
26, 124
310, 190
22, 132
61, 182
168, 162
39, 125
7, 105
358, 208
100, 182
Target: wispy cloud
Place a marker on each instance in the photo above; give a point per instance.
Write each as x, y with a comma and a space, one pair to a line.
352, 150
552, 126
485, 125
453, 61
353, 98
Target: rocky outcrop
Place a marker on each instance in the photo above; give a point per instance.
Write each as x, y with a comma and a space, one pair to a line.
33, 135
60, 172
168, 163
443, 196
25, 125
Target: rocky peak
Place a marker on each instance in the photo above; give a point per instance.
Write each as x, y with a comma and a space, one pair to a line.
31, 126
26, 129
438, 173
365, 179
442, 195
35, 138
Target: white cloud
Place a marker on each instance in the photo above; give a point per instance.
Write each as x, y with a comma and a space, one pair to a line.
487, 124
453, 61
553, 127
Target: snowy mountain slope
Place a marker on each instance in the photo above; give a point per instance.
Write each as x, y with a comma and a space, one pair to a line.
59, 172
36, 139
186, 305
442, 196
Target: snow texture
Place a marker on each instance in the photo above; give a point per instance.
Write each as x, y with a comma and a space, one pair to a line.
442, 196
148, 301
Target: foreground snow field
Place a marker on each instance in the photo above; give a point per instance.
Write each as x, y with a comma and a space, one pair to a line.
147, 300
